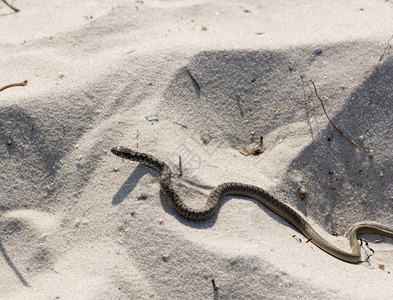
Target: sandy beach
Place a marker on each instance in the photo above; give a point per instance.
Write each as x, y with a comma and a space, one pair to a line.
204, 80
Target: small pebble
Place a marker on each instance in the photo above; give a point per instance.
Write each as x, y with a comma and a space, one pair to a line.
259, 32
160, 221
203, 28
318, 51
143, 196
77, 223
133, 212
152, 117
302, 193
205, 138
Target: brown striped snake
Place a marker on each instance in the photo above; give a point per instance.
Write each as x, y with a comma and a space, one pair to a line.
247, 190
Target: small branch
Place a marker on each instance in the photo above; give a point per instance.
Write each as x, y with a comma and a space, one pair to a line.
388, 45
195, 83
216, 288
180, 167
307, 80
181, 124
10, 6
239, 105
368, 255
23, 83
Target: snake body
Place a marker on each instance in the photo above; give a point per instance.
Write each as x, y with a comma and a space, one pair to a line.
257, 193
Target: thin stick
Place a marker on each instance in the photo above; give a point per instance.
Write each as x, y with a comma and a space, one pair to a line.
388, 45
10, 6
23, 83
214, 285
386, 48
180, 167
327, 116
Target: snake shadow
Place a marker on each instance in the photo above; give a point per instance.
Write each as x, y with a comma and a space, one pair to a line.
210, 222
11, 265
129, 185
133, 180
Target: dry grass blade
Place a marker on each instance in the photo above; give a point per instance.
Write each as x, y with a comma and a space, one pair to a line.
308, 81
23, 83
385, 50
10, 6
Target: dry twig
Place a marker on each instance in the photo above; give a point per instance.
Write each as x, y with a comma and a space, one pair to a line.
10, 6
216, 288
23, 83
308, 81
388, 45
180, 167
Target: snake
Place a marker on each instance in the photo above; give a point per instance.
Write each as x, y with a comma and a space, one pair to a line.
259, 194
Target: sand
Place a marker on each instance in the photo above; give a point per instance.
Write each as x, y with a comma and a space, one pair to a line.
77, 222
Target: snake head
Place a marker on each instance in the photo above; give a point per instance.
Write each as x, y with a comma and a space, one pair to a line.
123, 152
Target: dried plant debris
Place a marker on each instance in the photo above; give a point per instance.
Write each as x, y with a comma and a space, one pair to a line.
385, 50
312, 88
303, 193
206, 138
23, 83
256, 149
244, 151
11, 6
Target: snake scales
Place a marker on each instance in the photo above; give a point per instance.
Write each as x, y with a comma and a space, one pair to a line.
247, 190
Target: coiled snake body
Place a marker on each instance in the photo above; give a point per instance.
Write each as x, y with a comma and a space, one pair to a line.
247, 190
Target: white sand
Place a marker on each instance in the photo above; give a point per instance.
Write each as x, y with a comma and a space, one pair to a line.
97, 68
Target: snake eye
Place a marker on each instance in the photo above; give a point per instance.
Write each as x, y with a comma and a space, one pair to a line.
122, 151
114, 150
117, 150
